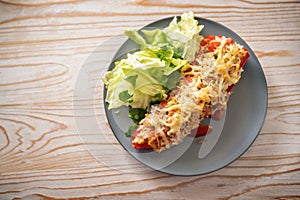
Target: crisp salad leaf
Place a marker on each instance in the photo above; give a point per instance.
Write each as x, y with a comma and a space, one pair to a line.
149, 74
137, 79
183, 37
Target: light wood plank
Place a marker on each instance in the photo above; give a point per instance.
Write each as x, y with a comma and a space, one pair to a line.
44, 44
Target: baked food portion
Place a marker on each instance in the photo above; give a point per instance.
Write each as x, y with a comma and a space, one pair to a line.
203, 91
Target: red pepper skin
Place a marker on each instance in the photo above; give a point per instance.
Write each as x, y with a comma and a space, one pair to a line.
203, 42
242, 64
207, 39
212, 45
211, 37
200, 131
139, 146
229, 41
245, 58
230, 88
163, 104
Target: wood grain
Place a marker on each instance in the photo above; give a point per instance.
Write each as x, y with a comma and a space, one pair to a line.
43, 46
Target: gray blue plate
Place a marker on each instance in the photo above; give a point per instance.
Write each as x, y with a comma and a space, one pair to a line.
245, 116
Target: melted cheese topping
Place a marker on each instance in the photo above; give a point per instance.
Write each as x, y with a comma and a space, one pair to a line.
201, 89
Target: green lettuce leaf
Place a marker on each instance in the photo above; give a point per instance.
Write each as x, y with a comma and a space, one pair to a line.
136, 80
183, 37
149, 74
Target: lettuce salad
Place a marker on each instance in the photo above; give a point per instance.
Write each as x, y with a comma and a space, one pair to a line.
148, 75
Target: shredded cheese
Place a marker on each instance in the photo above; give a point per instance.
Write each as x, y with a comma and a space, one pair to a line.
203, 87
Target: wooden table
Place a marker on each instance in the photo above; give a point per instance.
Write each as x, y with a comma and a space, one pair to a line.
44, 46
